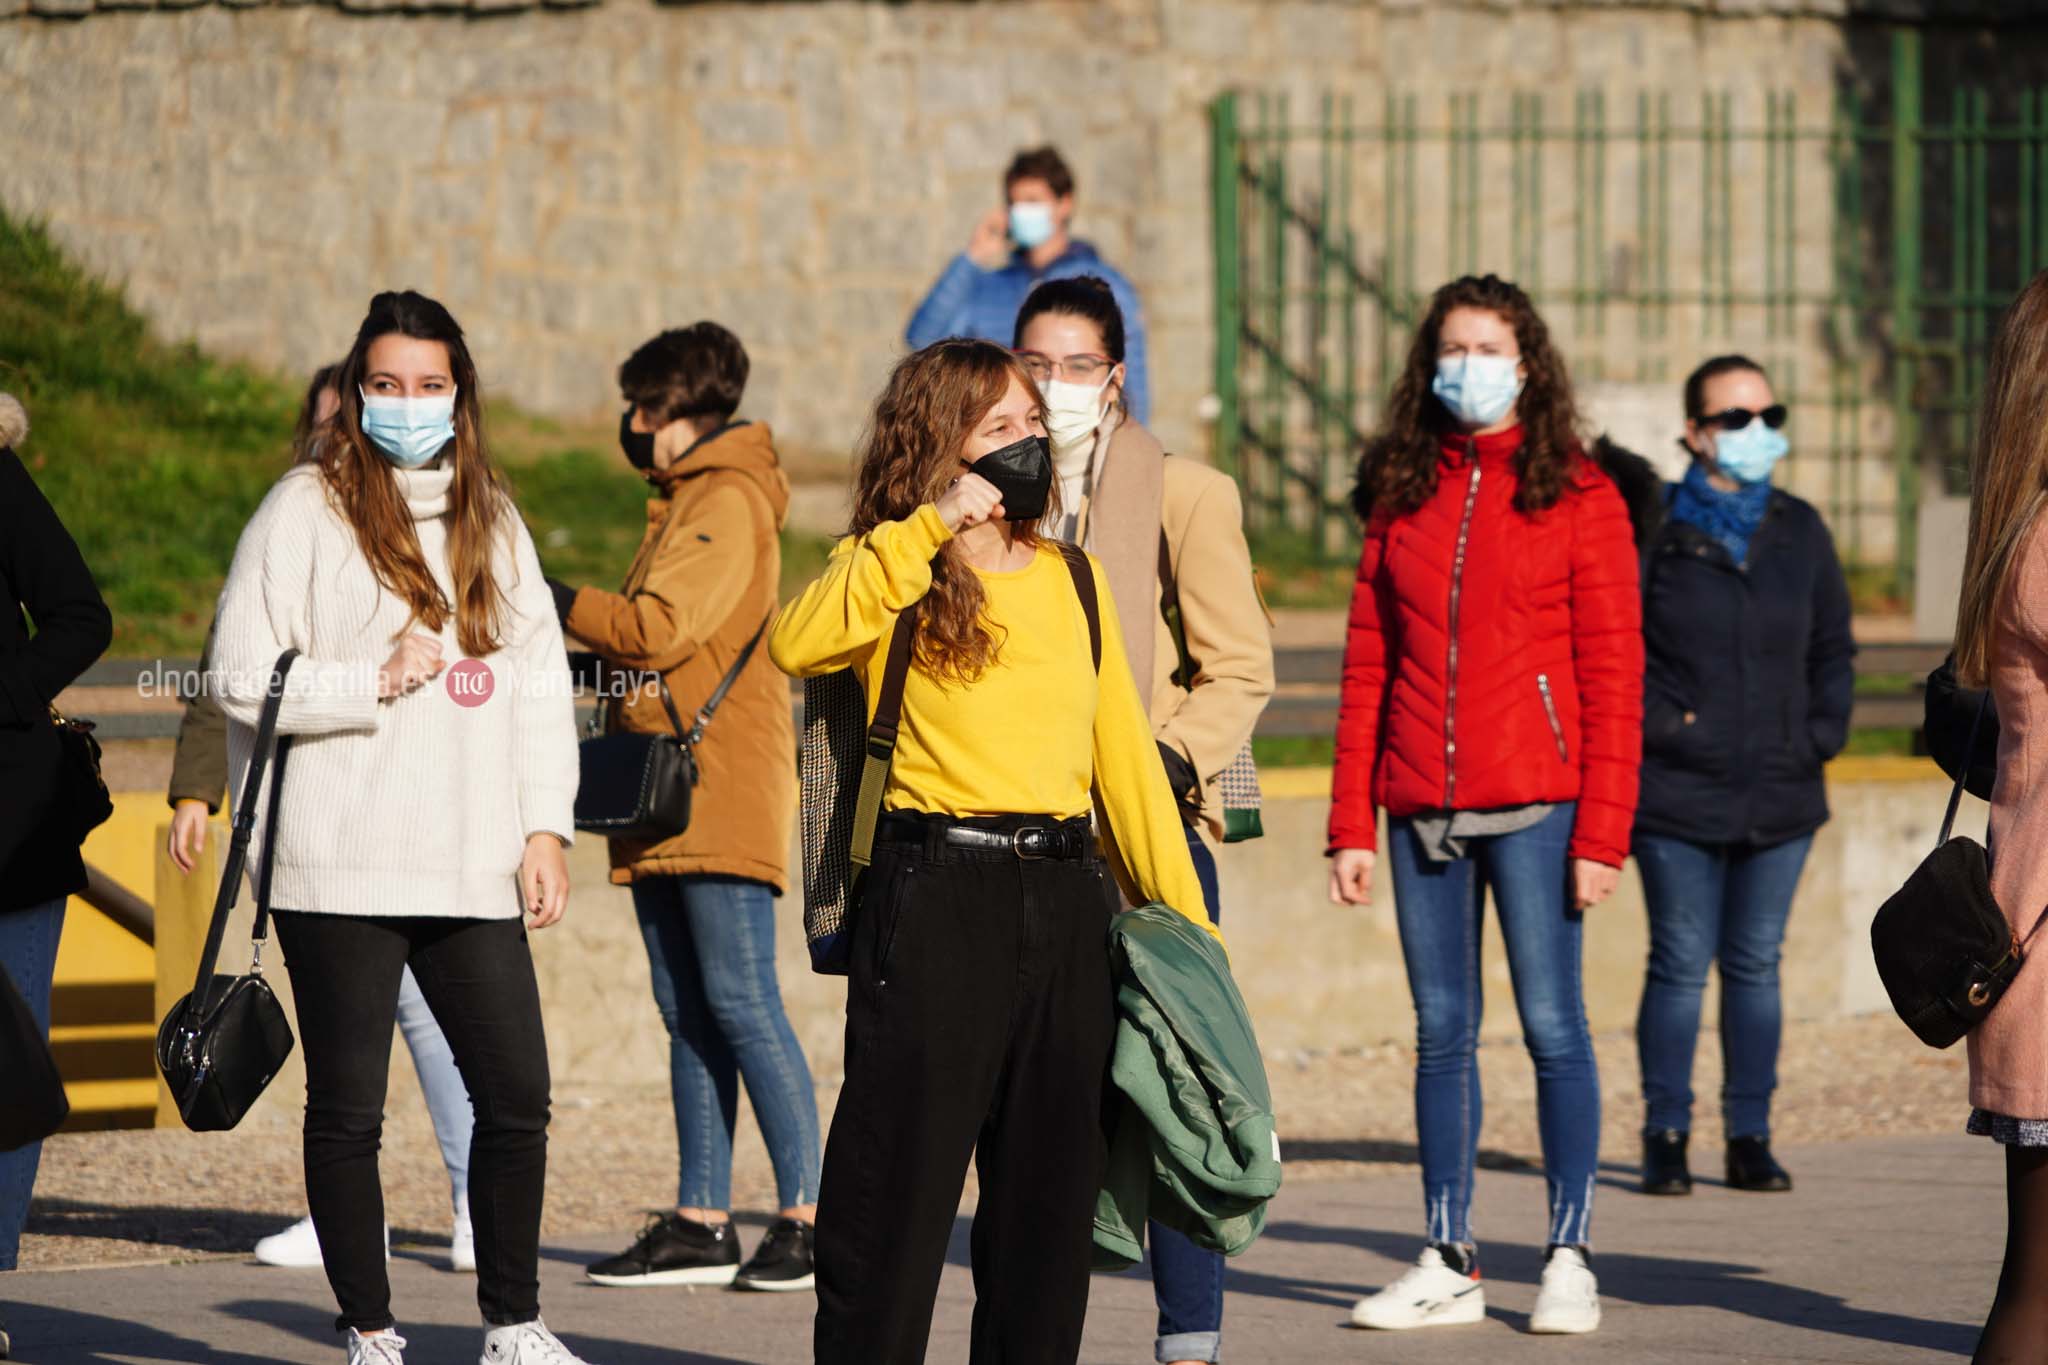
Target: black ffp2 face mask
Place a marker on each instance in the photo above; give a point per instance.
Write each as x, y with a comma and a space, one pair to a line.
1022, 473
638, 445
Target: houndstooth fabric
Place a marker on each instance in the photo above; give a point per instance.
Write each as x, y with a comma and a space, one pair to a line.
1242, 800
2008, 1131
828, 770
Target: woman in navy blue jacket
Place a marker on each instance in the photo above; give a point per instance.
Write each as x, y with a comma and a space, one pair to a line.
1747, 688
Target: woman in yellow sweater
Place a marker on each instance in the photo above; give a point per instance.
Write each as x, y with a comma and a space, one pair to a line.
979, 1010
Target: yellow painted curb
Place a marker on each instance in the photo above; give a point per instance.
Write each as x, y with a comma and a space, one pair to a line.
1313, 784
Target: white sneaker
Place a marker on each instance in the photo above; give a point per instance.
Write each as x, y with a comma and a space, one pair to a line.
1568, 1300
529, 1343
386, 1348
462, 1246
298, 1246
1430, 1295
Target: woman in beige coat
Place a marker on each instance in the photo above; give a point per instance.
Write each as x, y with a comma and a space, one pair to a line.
1165, 531
2002, 642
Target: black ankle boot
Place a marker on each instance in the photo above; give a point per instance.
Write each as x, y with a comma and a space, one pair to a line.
1664, 1167
1750, 1166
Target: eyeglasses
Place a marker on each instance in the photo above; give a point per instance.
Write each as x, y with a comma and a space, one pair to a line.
1735, 419
1086, 368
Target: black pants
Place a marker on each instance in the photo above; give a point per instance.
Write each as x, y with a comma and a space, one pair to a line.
477, 977
979, 1018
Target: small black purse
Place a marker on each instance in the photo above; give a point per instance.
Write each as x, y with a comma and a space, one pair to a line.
220, 1045
1943, 948
81, 798
638, 786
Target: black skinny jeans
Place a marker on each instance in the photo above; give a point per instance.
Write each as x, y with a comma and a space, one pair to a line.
979, 1018
477, 977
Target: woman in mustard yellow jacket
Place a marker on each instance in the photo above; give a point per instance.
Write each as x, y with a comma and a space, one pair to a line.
979, 1009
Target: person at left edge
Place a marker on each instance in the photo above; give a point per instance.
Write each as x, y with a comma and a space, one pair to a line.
1017, 247
421, 824
47, 581
702, 585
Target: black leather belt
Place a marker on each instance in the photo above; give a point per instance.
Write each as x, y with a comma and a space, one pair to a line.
1066, 841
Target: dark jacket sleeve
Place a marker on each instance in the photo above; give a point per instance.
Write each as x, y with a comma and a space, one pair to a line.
199, 767
1830, 653
47, 577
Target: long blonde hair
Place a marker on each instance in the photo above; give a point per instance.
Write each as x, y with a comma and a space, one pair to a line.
2008, 474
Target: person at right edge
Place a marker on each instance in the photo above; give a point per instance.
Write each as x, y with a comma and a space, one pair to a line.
1747, 686
697, 597
980, 1010
1492, 703
46, 581
2002, 643
1152, 520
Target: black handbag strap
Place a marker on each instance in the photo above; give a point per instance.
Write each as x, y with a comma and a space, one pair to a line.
1955, 796
1084, 588
695, 734
244, 831
881, 740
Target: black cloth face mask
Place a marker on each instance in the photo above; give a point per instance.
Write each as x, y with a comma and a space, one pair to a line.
638, 445
1022, 473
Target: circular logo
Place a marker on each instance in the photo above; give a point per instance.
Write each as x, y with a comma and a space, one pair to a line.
470, 682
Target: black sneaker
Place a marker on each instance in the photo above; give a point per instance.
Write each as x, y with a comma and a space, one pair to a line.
1664, 1165
784, 1261
1751, 1166
672, 1249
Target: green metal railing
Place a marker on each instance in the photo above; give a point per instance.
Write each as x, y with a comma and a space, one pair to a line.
1862, 259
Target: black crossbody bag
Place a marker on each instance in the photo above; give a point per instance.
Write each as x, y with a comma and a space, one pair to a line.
638, 786
1943, 948
221, 1044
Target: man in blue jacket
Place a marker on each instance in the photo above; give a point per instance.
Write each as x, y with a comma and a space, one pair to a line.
1014, 249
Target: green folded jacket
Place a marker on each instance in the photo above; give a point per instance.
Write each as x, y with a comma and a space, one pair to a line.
1190, 1118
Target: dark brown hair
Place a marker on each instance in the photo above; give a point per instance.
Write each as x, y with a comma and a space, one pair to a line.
1398, 470
366, 492
1696, 382
1087, 297
1040, 163
308, 427
698, 371
933, 401
2008, 475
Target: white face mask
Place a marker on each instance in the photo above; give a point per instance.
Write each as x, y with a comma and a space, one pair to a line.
1072, 414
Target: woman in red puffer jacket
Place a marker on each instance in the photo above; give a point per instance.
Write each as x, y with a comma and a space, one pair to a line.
1492, 703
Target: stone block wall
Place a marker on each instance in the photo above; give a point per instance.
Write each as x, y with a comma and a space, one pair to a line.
569, 180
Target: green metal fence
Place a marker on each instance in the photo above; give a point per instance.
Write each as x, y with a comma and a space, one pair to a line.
1861, 254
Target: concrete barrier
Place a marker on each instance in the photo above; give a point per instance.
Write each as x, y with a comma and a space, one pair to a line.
1318, 978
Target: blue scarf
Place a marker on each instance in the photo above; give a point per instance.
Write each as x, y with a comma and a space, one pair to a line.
1730, 518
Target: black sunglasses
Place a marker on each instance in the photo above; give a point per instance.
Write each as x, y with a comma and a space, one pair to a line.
1735, 419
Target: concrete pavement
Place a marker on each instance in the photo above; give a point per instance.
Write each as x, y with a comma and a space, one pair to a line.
1887, 1251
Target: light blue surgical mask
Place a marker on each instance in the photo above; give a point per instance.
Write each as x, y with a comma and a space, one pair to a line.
409, 431
1478, 390
1749, 453
1031, 223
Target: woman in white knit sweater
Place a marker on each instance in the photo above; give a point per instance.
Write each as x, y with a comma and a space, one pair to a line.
429, 797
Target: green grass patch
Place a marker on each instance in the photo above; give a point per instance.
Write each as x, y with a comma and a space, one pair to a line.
155, 454
1883, 742
1294, 751
1888, 684
1294, 572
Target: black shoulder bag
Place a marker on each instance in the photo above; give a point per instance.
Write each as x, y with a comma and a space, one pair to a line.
1944, 950
638, 786
221, 1044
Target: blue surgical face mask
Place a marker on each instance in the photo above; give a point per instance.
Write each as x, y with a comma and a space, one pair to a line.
409, 431
1478, 390
1749, 453
1031, 223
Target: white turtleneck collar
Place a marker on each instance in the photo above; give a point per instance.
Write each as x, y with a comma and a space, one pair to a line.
425, 490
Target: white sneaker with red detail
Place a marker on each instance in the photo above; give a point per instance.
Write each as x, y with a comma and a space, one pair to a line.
1430, 1294
1568, 1299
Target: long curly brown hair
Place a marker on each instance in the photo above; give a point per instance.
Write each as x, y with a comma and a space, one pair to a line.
933, 401
1398, 470
361, 483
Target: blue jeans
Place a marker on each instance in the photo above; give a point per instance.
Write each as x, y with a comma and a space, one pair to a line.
711, 950
1187, 1281
28, 954
447, 1097
1707, 903
1440, 908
